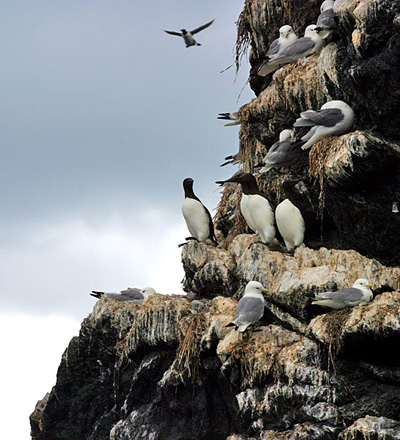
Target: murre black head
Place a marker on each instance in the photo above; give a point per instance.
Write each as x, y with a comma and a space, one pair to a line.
184, 31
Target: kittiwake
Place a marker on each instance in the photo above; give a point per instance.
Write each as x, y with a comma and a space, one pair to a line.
250, 308
128, 295
307, 45
283, 153
234, 159
328, 19
360, 293
334, 118
286, 38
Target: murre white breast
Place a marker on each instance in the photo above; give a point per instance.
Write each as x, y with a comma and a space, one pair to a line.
290, 224
197, 217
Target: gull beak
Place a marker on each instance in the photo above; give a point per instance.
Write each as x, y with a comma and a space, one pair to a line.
369, 285
265, 291
286, 35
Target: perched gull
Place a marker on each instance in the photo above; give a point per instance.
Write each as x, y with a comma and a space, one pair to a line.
307, 45
230, 117
128, 295
250, 308
334, 118
290, 223
188, 35
197, 216
283, 153
234, 159
255, 208
328, 19
286, 38
360, 293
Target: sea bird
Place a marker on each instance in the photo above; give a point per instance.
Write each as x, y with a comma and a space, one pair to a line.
286, 38
282, 153
128, 295
197, 216
334, 118
250, 308
234, 116
188, 35
360, 293
328, 20
304, 46
255, 207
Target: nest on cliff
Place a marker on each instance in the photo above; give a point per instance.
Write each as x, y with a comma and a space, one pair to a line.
243, 38
187, 360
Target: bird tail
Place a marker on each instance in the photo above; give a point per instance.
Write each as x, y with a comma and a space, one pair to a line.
96, 294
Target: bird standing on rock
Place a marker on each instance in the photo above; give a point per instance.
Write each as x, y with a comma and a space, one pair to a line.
360, 293
250, 308
328, 20
255, 208
128, 295
304, 46
283, 153
334, 118
197, 216
188, 35
286, 38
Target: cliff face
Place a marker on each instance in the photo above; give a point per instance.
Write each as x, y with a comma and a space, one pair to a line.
170, 369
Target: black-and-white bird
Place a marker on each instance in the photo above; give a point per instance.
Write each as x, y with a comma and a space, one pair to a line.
290, 224
250, 308
233, 159
327, 20
128, 295
287, 37
283, 153
304, 46
334, 118
197, 216
234, 116
360, 293
255, 208
188, 35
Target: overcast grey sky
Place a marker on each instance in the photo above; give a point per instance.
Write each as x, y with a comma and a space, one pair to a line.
102, 117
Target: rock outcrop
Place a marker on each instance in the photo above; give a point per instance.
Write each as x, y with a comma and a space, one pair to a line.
170, 369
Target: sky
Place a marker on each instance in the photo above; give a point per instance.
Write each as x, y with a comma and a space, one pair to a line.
102, 117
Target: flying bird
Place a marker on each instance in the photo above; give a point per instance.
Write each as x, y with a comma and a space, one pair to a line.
286, 38
128, 295
234, 159
304, 46
250, 308
360, 293
334, 118
230, 117
197, 216
290, 223
188, 35
328, 20
255, 207
283, 153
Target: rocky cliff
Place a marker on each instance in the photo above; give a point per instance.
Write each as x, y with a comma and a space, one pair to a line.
170, 369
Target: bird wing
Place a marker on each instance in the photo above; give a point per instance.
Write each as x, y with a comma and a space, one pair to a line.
274, 47
178, 34
230, 116
328, 20
295, 50
200, 28
328, 118
249, 309
131, 294
345, 296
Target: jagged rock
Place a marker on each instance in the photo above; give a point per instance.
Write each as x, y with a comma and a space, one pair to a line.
170, 369
372, 428
363, 331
